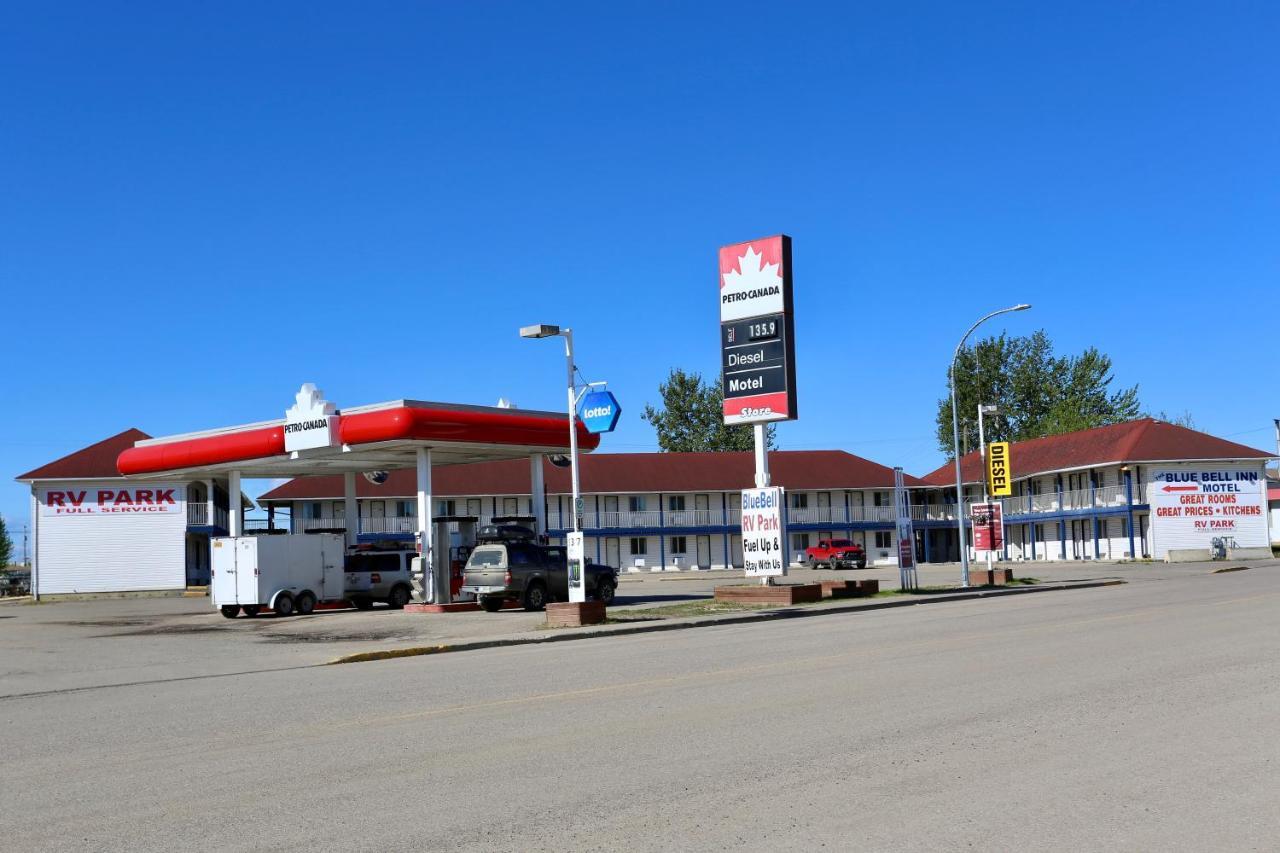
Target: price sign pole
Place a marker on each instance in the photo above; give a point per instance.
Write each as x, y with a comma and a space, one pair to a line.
757, 360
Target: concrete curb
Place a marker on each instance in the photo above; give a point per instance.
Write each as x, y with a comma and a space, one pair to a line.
707, 621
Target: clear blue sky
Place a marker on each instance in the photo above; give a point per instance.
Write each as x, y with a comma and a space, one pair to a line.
204, 205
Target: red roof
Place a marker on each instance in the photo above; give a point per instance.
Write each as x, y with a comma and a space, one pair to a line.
1143, 440
620, 473
95, 462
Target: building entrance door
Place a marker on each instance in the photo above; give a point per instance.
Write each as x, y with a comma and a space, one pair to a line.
704, 552
611, 555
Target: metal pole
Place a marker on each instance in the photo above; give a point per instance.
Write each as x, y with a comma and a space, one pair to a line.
578, 590
982, 449
955, 438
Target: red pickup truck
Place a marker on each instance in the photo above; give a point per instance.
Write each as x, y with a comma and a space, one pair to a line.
836, 553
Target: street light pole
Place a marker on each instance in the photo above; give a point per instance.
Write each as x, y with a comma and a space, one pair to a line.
955, 440
577, 580
982, 448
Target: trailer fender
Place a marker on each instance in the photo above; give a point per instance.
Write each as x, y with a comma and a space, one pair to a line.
271, 602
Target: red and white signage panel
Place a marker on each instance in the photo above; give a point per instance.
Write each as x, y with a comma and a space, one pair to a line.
988, 526
757, 345
111, 501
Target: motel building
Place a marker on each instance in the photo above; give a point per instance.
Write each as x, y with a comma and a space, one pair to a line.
1142, 489
134, 513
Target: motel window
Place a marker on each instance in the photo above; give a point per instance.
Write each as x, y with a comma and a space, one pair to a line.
406, 509
675, 503
799, 500
678, 545
315, 510
639, 545
799, 541
884, 539
635, 503
446, 508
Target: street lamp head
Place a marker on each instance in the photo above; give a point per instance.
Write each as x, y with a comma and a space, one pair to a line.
1021, 306
988, 409
542, 330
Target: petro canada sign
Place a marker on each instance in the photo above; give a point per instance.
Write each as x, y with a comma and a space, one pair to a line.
310, 422
757, 348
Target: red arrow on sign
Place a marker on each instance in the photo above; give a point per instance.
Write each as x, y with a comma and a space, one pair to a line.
1181, 488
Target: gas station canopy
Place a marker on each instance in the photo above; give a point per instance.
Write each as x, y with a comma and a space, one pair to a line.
376, 437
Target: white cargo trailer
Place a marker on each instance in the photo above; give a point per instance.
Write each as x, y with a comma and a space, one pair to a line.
289, 574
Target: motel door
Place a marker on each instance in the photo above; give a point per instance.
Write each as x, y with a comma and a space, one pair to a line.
611, 555
473, 507
704, 552
702, 504
735, 550
611, 517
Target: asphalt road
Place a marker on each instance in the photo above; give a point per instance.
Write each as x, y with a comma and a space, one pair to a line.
1138, 717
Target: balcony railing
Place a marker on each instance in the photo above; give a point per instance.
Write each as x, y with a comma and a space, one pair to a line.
1104, 497
198, 515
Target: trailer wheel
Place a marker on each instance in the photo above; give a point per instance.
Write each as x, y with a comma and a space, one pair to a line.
252, 610
230, 611
306, 604
491, 604
284, 604
362, 603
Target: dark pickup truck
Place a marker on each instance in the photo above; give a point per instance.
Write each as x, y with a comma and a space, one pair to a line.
502, 569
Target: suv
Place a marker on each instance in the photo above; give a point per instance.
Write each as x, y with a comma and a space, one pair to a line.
378, 575
503, 567
836, 553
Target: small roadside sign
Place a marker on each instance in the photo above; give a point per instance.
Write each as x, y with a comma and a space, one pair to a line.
763, 533
577, 573
988, 526
999, 470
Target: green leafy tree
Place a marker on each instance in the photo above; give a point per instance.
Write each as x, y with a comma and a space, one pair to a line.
1037, 393
6, 545
692, 417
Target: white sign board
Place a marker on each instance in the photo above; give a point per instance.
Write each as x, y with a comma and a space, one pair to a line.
577, 566
1193, 505
111, 501
906, 536
763, 554
310, 422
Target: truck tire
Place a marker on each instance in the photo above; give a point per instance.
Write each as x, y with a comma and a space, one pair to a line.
810, 562
398, 598
862, 564
535, 596
362, 603
606, 590
229, 610
251, 610
306, 603
284, 604
491, 604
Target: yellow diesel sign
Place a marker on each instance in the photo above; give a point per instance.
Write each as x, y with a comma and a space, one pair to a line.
999, 473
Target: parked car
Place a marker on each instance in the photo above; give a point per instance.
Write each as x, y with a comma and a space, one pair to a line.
509, 565
379, 574
836, 553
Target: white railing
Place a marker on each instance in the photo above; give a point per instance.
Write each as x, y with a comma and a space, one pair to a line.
405, 524
197, 514
1103, 497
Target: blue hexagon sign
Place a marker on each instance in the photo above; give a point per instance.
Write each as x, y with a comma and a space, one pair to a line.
599, 411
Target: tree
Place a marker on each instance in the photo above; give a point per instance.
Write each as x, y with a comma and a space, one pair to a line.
1038, 394
692, 417
6, 545
1183, 420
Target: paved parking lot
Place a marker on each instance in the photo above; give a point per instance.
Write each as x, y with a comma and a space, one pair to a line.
75, 644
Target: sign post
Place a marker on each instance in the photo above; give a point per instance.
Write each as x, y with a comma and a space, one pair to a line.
906, 535
758, 378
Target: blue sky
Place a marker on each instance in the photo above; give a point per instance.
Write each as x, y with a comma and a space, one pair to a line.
206, 204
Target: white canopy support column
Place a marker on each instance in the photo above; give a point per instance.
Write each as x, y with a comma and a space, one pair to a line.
235, 512
538, 494
350, 509
210, 508
422, 591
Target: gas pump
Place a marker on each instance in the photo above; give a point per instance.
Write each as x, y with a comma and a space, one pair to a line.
459, 553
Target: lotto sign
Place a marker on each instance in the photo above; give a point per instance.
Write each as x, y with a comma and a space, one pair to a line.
757, 334
999, 479
763, 533
1191, 506
988, 526
600, 411
149, 500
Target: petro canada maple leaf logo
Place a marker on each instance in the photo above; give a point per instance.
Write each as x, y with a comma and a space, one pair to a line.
755, 287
